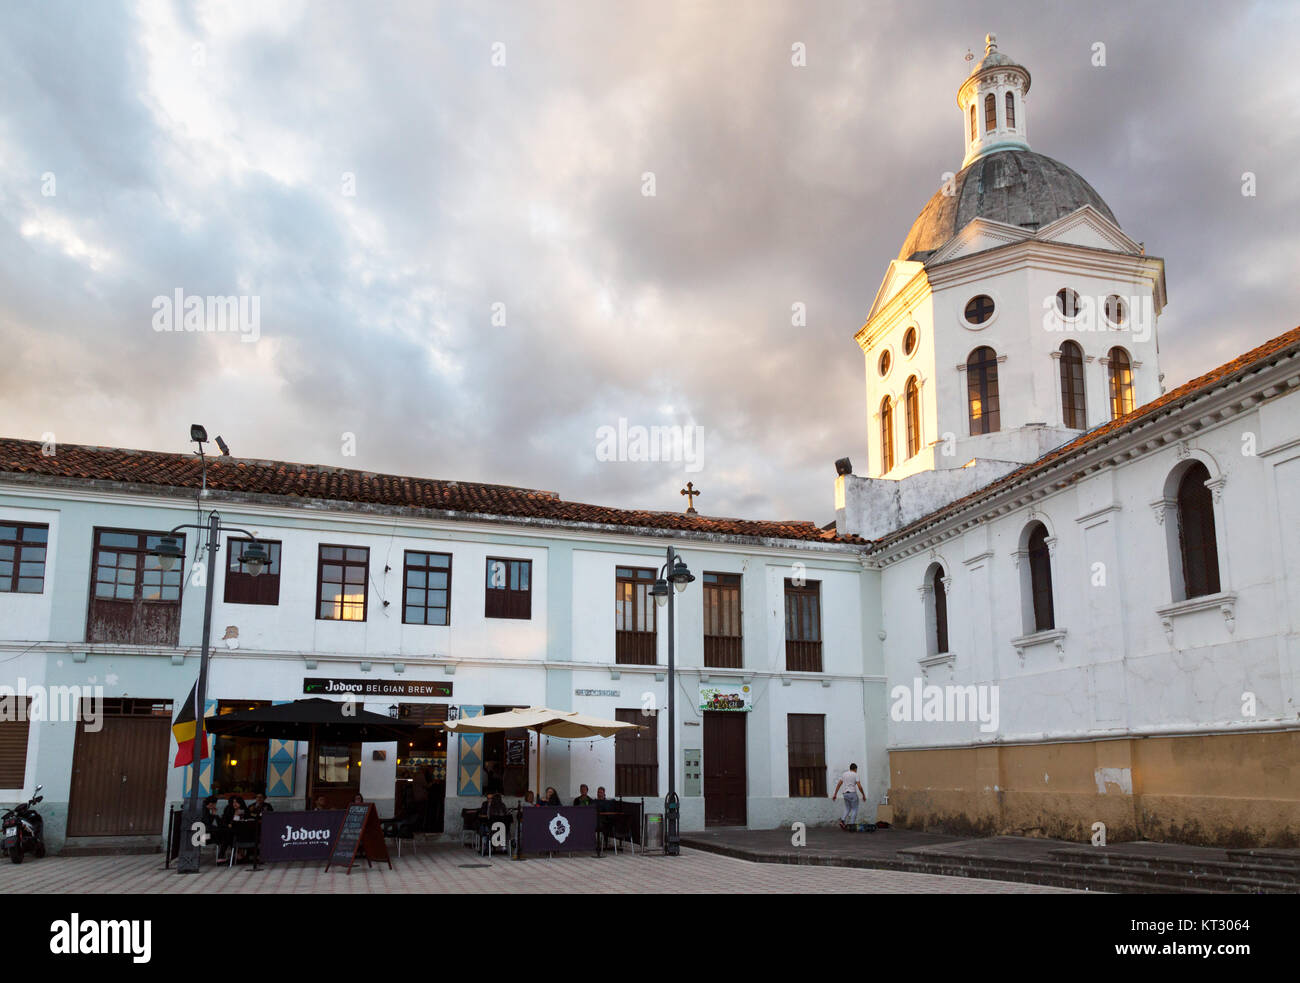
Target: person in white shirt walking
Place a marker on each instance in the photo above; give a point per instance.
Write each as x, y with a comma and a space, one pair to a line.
853, 794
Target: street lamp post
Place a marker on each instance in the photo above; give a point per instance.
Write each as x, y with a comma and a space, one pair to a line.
168, 552
675, 572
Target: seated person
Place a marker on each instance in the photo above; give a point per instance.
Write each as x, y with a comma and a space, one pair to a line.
529, 798
552, 797
320, 803
235, 804
260, 806
583, 798
358, 800
600, 796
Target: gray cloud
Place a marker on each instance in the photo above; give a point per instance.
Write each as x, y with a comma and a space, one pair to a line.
521, 185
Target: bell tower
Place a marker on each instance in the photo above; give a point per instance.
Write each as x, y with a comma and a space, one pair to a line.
992, 102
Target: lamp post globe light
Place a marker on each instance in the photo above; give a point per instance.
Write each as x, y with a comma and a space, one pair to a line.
674, 571
168, 552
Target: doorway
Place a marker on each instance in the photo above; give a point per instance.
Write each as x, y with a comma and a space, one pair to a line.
420, 793
724, 768
119, 773
505, 759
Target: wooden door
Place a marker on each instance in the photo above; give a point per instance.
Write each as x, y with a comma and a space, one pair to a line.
119, 777
724, 768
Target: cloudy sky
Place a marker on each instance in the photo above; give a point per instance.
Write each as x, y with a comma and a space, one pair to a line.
393, 181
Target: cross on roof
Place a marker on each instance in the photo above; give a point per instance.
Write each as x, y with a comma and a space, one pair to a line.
690, 492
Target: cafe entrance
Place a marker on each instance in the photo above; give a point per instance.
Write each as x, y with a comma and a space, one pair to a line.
420, 792
505, 759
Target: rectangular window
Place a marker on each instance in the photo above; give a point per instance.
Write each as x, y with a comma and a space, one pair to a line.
241, 586
13, 745
722, 621
427, 589
239, 762
133, 600
635, 616
22, 557
636, 754
509, 589
342, 576
806, 739
803, 627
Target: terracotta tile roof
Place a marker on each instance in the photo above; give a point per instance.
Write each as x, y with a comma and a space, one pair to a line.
309, 481
1242, 365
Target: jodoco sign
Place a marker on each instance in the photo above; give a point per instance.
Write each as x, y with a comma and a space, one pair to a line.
299, 835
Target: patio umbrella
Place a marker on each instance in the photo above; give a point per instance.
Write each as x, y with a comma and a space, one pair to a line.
544, 721
311, 720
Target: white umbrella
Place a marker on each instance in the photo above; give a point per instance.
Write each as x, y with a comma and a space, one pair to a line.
545, 721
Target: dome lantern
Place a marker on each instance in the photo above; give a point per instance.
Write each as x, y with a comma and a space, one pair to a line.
992, 103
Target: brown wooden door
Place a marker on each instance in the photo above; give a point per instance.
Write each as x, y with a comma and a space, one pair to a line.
119, 777
724, 768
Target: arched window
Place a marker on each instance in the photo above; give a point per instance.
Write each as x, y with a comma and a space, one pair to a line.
1011, 111
940, 611
972, 122
1072, 399
990, 113
935, 596
886, 435
1121, 383
1040, 579
1197, 543
982, 390
912, 413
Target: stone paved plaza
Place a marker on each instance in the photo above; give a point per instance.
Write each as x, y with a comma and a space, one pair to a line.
450, 869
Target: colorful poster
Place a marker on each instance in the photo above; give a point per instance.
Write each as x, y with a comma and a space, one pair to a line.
726, 696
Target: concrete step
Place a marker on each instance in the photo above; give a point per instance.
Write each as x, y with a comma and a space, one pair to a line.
109, 846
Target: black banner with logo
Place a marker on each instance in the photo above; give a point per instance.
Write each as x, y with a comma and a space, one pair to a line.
299, 835
568, 829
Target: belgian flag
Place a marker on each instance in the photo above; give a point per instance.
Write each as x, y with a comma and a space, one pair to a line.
184, 727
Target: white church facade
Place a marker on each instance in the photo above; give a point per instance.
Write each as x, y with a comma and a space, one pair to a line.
1090, 588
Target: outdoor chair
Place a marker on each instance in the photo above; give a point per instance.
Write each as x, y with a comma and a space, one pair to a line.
245, 835
399, 829
469, 827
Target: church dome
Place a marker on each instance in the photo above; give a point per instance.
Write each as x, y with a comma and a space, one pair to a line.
1018, 187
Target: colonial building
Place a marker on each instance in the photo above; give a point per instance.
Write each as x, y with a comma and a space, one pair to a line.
1090, 589
1060, 596
428, 598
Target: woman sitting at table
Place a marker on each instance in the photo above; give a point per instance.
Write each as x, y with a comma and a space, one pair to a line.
552, 797
529, 798
234, 805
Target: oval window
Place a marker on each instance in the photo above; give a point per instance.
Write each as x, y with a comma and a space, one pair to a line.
884, 363
1116, 311
979, 309
1067, 302
909, 341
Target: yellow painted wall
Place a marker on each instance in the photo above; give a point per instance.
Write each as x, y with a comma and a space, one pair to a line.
1219, 790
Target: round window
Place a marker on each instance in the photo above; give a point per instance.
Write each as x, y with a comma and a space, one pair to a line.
979, 309
1067, 302
1116, 311
909, 341
884, 363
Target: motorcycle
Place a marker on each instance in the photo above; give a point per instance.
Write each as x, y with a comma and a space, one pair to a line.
22, 829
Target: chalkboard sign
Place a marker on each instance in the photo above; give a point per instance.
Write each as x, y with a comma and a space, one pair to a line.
514, 752
360, 830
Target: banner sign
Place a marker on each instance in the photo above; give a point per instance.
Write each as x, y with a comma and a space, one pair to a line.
726, 696
568, 829
299, 835
316, 686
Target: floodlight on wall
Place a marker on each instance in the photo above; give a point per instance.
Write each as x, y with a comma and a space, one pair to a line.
198, 433
225, 450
